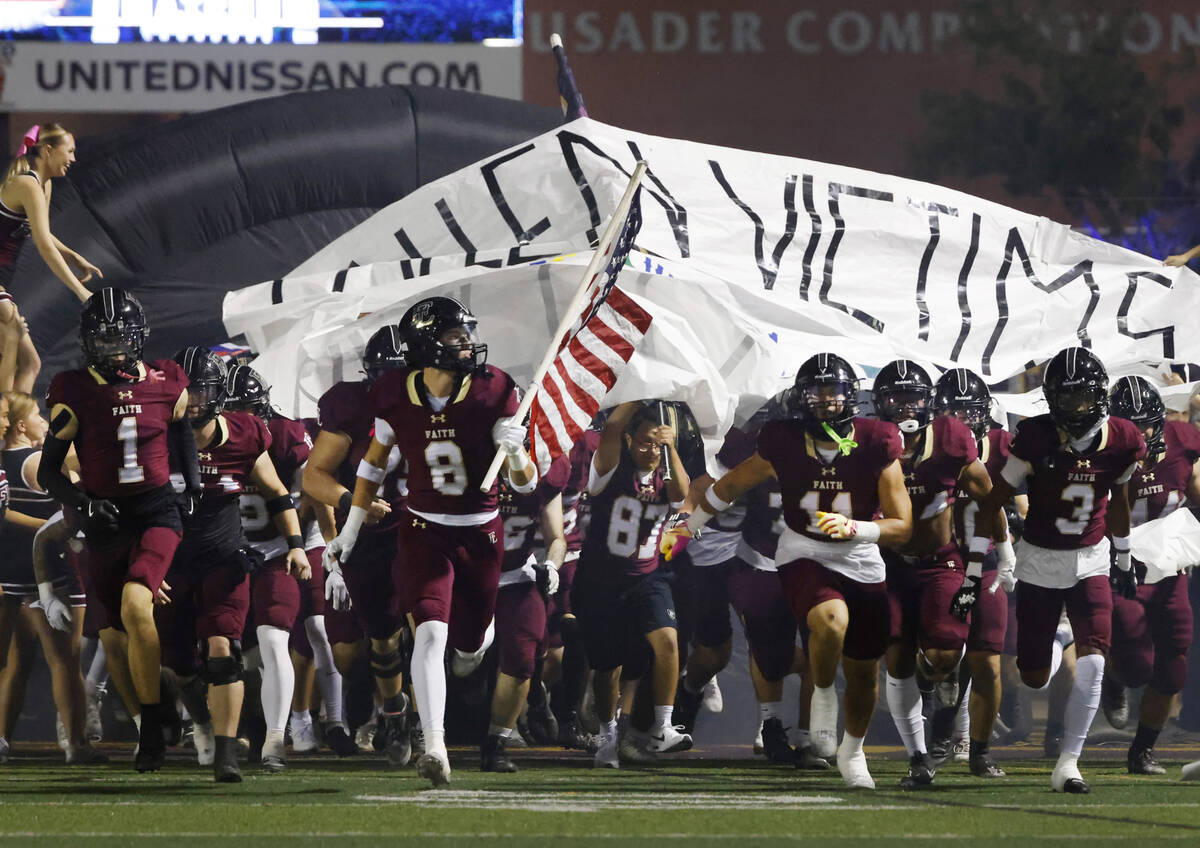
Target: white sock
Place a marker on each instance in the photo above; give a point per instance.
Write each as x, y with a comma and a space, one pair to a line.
137, 722
329, 678
662, 716
852, 744
769, 709
429, 676
278, 676
499, 730
97, 674
609, 727
904, 702
962, 719
435, 742
301, 716
1082, 704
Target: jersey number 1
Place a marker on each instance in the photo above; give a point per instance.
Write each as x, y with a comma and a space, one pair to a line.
127, 435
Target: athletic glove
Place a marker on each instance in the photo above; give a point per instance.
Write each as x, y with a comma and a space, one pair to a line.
837, 526
57, 613
101, 515
1121, 576
336, 592
968, 593
509, 436
681, 529
546, 574
1006, 569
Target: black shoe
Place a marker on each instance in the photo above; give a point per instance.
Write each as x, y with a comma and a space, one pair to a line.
806, 760
775, 743
982, 765
573, 737
1076, 786
397, 745
225, 764
543, 726
172, 723
152, 747
687, 706
1114, 699
921, 771
1143, 761
1052, 742
339, 741
493, 757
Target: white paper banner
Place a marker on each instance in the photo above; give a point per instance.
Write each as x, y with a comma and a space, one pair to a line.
749, 264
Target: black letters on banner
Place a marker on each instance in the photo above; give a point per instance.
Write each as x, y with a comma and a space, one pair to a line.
522, 235
769, 268
459, 236
1167, 333
836, 190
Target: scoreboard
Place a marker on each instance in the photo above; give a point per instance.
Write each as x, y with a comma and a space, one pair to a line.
260, 21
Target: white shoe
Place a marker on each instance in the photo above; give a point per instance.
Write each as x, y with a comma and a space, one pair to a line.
3, 750
710, 696
606, 752
304, 738
1066, 777
631, 748
61, 731
822, 722
93, 727
274, 757
364, 736
960, 751
668, 740
1191, 771
758, 743
206, 743
516, 740
854, 769
434, 766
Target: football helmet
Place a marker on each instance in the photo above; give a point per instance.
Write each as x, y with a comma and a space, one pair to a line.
112, 333
962, 393
826, 393
207, 383
439, 332
1135, 399
1075, 384
384, 351
246, 391
903, 395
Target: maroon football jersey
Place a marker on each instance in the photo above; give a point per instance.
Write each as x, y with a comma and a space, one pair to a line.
1068, 492
344, 409
3, 498
626, 522
1158, 490
575, 497
931, 473
758, 514
448, 452
290, 446
848, 484
993, 453
522, 513
122, 436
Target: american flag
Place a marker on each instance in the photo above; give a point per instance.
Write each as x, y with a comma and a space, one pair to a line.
592, 354
569, 95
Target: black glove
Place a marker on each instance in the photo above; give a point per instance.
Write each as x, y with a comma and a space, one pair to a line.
188, 503
100, 516
547, 579
250, 559
964, 599
1124, 583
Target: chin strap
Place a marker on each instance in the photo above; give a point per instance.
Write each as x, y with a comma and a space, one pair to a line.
844, 443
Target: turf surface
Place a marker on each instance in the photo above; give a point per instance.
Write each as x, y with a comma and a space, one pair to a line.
557, 800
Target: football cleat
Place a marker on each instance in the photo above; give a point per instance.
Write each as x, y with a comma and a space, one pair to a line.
364, 735
94, 727
921, 771
205, 742
152, 749
853, 767
1190, 772
225, 764
543, 726
339, 741
759, 748
711, 698
434, 767
1143, 761
573, 737
416, 738
982, 765
822, 722
1066, 777
274, 757
60, 732
775, 743
397, 746
960, 750
85, 755
304, 738
631, 748
806, 760
493, 757
1114, 699
668, 740
606, 752
687, 707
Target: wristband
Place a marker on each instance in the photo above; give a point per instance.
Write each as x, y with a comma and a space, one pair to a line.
711, 498
518, 460
550, 564
979, 545
45, 591
345, 501
1005, 551
1121, 544
696, 521
294, 542
280, 504
354, 521
868, 531
975, 570
369, 472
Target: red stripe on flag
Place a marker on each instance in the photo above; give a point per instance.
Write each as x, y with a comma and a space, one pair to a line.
594, 364
549, 388
629, 310
582, 399
621, 346
546, 430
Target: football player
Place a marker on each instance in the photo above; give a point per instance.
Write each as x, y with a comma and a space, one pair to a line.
210, 590
924, 575
278, 598
448, 412
126, 419
623, 600
836, 471
347, 426
1077, 462
1152, 630
527, 581
961, 394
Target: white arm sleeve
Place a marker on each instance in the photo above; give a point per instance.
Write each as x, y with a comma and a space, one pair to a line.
597, 482
1126, 474
1015, 471
384, 433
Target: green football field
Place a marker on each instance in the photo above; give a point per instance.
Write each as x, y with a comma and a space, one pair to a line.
557, 800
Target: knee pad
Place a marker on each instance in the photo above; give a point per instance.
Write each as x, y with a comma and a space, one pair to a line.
568, 626
221, 671
387, 664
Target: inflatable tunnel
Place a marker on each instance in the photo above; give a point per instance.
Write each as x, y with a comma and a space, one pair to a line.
183, 212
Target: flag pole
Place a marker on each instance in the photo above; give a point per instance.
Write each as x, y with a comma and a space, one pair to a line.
595, 266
